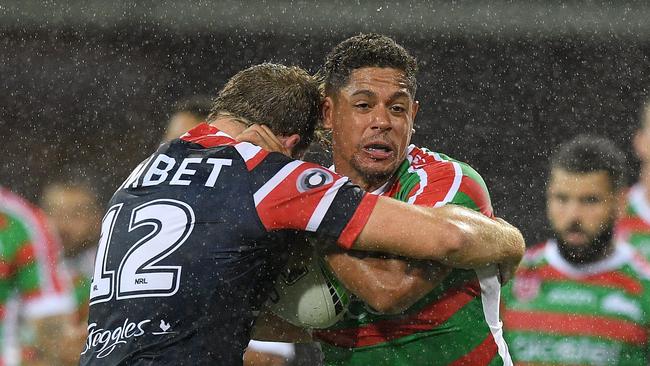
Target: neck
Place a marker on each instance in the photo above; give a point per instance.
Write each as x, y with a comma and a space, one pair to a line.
228, 125
344, 167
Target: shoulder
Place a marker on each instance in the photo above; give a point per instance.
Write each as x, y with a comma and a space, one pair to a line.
458, 181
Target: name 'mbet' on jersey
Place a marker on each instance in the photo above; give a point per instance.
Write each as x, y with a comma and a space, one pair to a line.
192, 242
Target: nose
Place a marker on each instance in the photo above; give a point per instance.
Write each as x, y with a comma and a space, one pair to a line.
381, 118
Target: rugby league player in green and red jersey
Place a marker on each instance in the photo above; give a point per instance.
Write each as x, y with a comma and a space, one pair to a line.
581, 298
408, 312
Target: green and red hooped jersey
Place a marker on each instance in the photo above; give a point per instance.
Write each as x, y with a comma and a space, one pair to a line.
455, 324
634, 225
30, 271
557, 313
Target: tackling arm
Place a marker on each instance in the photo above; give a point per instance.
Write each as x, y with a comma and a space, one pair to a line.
453, 235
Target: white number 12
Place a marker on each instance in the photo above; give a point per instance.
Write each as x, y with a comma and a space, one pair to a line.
171, 223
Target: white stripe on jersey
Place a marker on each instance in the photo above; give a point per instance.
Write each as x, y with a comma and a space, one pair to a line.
247, 150
490, 297
269, 186
324, 205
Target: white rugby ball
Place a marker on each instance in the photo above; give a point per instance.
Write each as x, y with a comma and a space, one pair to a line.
308, 295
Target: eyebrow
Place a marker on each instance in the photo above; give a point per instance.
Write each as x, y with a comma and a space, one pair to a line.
369, 93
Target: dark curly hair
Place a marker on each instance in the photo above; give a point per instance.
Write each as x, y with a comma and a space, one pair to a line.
367, 50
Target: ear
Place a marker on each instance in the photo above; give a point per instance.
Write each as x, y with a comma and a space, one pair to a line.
291, 141
328, 112
416, 108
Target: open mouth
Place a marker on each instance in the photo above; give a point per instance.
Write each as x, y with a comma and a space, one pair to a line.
378, 150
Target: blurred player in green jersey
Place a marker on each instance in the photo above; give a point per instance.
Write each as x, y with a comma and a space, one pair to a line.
581, 298
634, 224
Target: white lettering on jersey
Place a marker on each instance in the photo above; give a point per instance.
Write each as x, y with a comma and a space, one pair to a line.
217, 163
182, 170
108, 339
160, 172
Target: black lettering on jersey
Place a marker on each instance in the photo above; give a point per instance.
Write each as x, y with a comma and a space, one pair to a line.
313, 178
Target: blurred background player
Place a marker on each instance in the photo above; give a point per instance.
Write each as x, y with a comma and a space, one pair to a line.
186, 114
634, 224
74, 209
34, 287
580, 298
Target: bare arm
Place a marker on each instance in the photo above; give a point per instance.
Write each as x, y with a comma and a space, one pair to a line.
389, 285
453, 235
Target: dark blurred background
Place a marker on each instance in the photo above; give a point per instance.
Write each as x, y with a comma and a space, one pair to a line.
90, 84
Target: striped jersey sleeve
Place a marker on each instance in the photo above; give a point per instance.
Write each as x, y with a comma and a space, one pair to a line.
293, 194
433, 179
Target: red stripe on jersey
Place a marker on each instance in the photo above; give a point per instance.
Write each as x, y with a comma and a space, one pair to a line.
358, 221
608, 279
205, 135
25, 254
483, 354
4, 221
480, 197
440, 179
32, 294
285, 207
575, 324
256, 160
382, 331
628, 225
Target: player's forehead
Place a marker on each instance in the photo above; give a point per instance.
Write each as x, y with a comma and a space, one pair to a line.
579, 184
377, 81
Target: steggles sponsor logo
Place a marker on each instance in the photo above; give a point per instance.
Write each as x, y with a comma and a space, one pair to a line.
108, 339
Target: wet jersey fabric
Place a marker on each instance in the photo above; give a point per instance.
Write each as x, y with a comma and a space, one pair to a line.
193, 240
455, 324
557, 313
634, 225
32, 282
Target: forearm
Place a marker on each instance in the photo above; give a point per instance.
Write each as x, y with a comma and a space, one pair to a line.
389, 285
453, 235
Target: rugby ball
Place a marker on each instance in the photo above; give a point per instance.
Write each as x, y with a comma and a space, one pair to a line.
308, 295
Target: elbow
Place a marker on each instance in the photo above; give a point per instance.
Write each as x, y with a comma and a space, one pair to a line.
518, 245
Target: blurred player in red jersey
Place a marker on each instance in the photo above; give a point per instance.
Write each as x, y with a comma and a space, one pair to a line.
35, 288
581, 298
634, 224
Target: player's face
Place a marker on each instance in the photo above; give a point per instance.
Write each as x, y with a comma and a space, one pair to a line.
179, 124
581, 206
371, 119
75, 215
